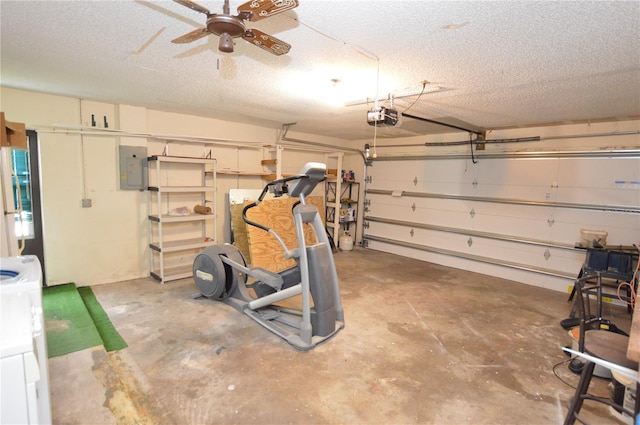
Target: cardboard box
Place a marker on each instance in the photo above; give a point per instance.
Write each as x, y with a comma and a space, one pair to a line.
12, 134
591, 238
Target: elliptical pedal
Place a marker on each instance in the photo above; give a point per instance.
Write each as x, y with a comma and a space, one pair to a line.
267, 277
268, 314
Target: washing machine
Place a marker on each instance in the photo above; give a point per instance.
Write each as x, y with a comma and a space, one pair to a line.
24, 374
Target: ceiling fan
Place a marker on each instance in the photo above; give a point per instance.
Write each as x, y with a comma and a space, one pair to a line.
228, 26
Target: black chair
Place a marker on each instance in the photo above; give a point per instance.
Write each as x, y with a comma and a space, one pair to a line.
600, 343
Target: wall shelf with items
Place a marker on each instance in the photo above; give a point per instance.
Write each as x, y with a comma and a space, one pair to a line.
181, 222
242, 173
341, 198
265, 174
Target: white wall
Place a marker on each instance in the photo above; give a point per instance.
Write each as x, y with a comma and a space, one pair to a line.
109, 241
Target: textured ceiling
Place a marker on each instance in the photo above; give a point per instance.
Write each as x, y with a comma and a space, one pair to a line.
497, 64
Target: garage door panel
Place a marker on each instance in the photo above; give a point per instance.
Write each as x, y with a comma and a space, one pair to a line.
375, 201
523, 276
598, 196
623, 229
416, 235
557, 259
512, 211
517, 172
433, 257
524, 227
420, 209
530, 180
511, 192
542, 257
597, 172
518, 275
384, 230
454, 171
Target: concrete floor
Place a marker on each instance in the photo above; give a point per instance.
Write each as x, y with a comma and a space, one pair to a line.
423, 344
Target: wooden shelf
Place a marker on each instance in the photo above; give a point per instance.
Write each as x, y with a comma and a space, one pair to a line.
180, 189
242, 173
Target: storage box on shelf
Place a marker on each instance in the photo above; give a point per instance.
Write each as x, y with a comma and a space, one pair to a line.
13, 134
182, 219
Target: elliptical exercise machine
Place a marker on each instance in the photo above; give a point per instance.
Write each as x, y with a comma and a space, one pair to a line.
221, 272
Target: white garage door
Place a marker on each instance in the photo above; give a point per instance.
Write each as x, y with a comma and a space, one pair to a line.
517, 217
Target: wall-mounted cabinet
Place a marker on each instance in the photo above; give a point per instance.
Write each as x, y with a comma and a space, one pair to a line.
182, 219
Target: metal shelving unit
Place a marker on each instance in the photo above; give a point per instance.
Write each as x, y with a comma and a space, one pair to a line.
177, 233
341, 200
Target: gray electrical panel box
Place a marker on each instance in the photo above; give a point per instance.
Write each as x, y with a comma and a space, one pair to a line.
133, 167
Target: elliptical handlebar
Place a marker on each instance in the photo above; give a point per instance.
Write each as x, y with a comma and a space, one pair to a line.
265, 190
312, 172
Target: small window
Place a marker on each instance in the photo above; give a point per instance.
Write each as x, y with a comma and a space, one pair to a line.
22, 193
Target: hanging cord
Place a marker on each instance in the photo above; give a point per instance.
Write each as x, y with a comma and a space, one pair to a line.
564, 381
361, 50
377, 105
631, 290
555, 372
631, 285
424, 85
471, 147
375, 136
84, 166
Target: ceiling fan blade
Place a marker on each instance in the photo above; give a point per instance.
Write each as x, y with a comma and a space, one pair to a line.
266, 42
193, 6
191, 36
260, 9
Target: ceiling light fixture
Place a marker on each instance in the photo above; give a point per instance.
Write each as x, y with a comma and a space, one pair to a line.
226, 43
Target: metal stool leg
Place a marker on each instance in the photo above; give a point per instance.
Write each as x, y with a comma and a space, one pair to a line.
636, 407
581, 390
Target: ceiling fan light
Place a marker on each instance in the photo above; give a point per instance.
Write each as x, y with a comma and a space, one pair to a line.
226, 43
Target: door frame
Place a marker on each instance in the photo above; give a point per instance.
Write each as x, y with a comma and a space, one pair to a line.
35, 246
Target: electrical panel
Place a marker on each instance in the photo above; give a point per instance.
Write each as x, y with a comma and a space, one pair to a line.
133, 167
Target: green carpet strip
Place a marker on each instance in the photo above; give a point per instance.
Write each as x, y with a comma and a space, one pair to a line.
70, 324
110, 337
